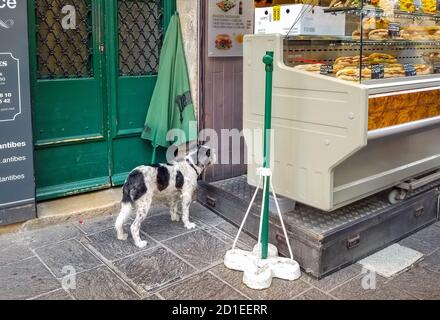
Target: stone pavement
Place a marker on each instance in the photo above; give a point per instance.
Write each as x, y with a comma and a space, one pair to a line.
179, 264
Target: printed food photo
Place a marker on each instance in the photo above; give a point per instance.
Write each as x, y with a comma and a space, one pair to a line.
223, 42
226, 5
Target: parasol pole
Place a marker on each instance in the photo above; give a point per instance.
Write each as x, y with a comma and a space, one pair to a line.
268, 61
263, 263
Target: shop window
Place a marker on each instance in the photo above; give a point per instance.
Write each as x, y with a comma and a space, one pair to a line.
64, 46
140, 36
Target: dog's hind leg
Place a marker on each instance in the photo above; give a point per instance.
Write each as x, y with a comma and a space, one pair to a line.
141, 213
174, 208
186, 203
122, 217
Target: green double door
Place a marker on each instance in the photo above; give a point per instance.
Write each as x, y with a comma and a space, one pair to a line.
94, 66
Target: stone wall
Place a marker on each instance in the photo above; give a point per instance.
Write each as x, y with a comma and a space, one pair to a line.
189, 17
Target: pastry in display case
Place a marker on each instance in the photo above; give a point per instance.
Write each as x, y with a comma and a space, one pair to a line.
358, 106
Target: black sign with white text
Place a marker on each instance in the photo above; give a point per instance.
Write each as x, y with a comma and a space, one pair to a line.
377, 71
394, 29
410, 70
17, 186
326, 69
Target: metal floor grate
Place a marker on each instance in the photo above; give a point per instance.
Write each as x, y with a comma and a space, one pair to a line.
311, 219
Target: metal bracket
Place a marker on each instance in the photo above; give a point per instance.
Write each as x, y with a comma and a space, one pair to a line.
211, 201
418, 183
354, 241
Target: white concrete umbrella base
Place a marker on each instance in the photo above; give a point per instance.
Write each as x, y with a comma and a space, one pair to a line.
258, 273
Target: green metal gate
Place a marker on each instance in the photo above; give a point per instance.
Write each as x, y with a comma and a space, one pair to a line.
91, 86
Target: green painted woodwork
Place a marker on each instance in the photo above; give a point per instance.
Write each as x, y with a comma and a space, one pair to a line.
87, 130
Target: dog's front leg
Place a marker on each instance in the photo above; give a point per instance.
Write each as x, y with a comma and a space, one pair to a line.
142, 213
186, 203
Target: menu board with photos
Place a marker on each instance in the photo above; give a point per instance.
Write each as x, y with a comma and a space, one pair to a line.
228, 22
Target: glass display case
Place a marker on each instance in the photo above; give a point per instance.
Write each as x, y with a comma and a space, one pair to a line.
385, 43
356, 96
383, 39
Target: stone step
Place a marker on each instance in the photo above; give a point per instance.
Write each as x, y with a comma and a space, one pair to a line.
69, 209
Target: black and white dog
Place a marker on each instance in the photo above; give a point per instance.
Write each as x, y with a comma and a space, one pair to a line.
173, 183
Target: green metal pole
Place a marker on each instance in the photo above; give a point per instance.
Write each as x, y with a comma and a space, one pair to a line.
268, 61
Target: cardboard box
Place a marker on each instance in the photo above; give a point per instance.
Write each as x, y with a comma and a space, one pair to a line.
305, 19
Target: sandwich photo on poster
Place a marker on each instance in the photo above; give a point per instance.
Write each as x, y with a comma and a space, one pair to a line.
229, 21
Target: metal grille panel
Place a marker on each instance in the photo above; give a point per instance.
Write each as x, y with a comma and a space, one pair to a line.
64, 53
140, 36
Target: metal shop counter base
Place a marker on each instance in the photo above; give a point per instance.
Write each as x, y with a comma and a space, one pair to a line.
324, 242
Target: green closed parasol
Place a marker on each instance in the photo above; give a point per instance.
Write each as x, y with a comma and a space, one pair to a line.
171, 105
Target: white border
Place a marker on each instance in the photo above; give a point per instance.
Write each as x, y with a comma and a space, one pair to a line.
19, 86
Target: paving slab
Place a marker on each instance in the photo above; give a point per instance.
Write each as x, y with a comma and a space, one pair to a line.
59, 294
25, 279
225, 237
160, 227
108, 245
95, 225
199, 248
280, 289
205, 215
335, 279
426, 240
232, 230
50, 235
314, 294
391, 260
152, 269
203, 286
419, 282
153, 297
13, 249
102, 284
432, 262
132, 273
67, 254
359, 289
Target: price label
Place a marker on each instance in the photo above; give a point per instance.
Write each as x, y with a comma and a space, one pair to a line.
377, 71
276, 13
326, 69
410, 70
394, 29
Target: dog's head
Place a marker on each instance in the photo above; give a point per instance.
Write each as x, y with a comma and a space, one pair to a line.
206, 156
203, 156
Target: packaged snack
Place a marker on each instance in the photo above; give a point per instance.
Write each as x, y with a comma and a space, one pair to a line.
373, 3
372, 23
386, 6
406, 5
429, 6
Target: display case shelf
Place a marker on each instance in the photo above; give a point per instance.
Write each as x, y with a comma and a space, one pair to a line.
377, 12
348, 40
